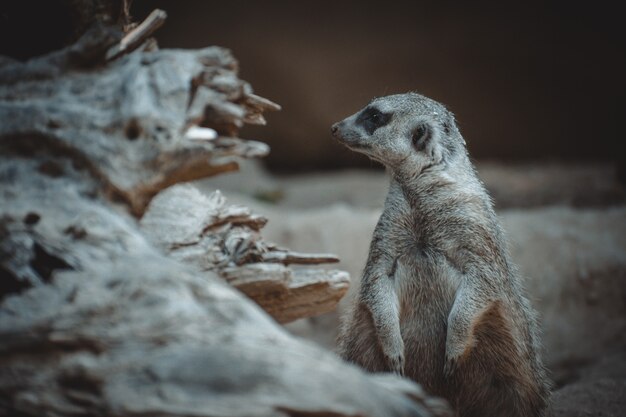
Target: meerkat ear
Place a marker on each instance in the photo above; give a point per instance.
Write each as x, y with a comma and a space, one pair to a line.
423, 140
447, 127
421, 135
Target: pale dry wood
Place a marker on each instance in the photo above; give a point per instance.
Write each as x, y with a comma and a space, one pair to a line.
207, 232
136, 36
288, 257
287, 294
200, 133
95, 317
257, 279
256, 106
261, 103
114, 328
303, 299
133, 112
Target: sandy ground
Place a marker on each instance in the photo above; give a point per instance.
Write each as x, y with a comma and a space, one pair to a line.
567, 232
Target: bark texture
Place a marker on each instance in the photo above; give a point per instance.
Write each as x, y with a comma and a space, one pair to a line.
102, 313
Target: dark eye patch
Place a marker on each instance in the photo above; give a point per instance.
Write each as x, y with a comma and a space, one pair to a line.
371, 119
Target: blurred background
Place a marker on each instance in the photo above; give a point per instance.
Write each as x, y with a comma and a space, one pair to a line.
530, 80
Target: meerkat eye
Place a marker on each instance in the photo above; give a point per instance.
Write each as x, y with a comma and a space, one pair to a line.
421, 136
371, 119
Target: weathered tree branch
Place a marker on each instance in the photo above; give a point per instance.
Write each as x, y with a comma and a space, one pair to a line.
102, 315
135, 37
205, 231
134, 113
287, 257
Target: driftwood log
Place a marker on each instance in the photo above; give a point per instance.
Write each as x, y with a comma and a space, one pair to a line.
206, 232
113, 305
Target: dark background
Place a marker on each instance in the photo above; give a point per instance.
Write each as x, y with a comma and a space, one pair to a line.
531, 81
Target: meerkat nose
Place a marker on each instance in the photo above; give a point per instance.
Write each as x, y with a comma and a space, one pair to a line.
334, 128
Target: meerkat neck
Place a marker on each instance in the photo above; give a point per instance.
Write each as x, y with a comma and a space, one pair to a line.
442, 189
425, 189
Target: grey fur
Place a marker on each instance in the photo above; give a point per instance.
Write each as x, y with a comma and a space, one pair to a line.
440, 300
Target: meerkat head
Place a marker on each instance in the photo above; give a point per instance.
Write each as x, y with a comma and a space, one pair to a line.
407, 132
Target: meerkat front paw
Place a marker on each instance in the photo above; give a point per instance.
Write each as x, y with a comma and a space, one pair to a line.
450, 366
393, 350
396, 363
394, 355
455, 351
458, 346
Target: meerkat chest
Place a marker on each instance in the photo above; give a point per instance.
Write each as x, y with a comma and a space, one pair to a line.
420, 270
424, 280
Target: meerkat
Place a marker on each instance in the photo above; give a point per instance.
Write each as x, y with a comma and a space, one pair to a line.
440, 300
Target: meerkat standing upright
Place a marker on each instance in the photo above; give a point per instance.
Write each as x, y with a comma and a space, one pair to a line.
440, 301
